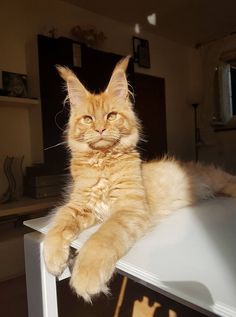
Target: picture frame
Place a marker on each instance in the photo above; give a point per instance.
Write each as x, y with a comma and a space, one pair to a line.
14, 84
141, 52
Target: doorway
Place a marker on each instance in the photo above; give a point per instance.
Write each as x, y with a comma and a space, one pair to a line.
151, 109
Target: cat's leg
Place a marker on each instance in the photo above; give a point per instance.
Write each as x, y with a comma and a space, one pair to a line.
96, 261
68, 222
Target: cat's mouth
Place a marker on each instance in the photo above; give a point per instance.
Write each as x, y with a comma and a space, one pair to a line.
102, 143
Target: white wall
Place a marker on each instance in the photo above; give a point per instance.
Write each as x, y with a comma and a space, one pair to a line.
21, 21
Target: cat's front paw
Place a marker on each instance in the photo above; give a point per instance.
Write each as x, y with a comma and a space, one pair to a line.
56, 253
92, 270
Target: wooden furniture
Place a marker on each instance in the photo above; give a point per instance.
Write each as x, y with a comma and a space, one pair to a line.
189, 257
23, 117
12, 231
26, 206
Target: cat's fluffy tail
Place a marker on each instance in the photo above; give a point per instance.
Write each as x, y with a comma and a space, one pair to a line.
230, 188
171, 184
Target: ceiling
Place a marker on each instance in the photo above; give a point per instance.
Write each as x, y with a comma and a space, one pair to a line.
189, 22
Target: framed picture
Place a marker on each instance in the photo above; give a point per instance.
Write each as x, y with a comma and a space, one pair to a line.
141, 52
14, 85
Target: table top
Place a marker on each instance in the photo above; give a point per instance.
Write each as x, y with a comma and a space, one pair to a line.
190, 256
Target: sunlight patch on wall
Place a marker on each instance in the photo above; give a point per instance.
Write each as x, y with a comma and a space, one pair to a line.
152, 19
137, 28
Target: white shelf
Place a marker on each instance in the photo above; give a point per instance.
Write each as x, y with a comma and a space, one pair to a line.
16, 100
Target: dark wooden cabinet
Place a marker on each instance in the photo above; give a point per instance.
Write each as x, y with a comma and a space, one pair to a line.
94, 73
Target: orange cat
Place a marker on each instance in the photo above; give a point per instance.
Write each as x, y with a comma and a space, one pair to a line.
111, 185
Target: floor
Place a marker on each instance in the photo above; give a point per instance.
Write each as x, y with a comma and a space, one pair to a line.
128, 299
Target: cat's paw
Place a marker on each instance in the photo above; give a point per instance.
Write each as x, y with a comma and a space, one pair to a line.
92, 270
56, 253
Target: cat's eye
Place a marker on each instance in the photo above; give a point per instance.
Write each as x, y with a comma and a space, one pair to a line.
112, 116
87, 119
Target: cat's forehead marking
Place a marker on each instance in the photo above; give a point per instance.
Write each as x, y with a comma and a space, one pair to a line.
97, 104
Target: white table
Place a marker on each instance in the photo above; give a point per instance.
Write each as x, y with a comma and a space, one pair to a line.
190, 257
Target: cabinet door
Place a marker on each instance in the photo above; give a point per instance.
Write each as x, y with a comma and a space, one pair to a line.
54, 116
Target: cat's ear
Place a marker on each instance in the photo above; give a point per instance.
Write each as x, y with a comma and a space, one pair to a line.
118, 84
76, 91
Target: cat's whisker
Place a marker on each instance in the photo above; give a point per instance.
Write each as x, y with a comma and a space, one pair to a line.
56, 145
55, 119
143, 140
131, 93
141, 148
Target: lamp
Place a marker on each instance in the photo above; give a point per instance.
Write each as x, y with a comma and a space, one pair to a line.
196, 129
195, 93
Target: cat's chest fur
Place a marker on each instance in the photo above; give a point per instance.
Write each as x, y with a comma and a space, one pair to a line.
98, 182
97, 198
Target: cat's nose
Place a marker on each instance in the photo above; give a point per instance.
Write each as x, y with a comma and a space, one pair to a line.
101, 130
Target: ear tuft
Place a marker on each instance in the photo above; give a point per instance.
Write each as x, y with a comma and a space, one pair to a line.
123, 64
76, 91
118, 85
65, 72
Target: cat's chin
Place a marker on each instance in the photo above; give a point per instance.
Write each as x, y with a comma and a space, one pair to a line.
102, 145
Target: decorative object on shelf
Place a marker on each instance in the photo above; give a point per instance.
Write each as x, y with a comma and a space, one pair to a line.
88, 35
141, 52
14, 173
13, 84
52, 32
49, 30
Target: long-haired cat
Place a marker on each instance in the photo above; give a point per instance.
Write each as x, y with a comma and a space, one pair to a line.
111, 185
